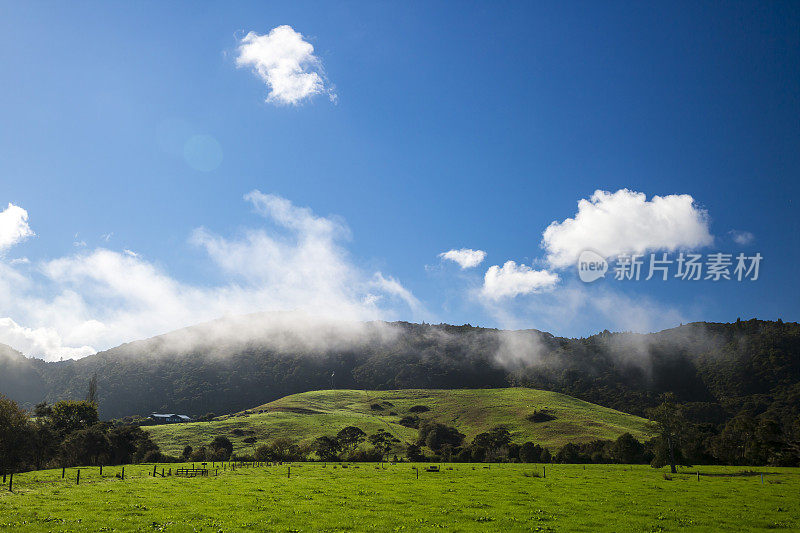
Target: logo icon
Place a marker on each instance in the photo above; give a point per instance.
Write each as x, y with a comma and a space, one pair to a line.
591, 266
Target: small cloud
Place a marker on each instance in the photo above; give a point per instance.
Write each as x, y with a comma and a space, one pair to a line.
512, 280
13, 226
107, 236
286, 63
20, 261
465, 257
742, 237
130, 253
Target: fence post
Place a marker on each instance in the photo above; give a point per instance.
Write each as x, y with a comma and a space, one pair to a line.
101, 470
544, 471
63, 471
289, 472
78, 479
698, 475
123, 473
154, 470
11, 482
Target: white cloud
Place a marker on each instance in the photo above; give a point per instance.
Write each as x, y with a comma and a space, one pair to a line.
512, 280
465, 257
96, 299
742, 237
625, 221
13, 226
39, 340
286, 63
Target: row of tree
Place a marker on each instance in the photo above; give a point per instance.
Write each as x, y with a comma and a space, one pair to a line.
67, 433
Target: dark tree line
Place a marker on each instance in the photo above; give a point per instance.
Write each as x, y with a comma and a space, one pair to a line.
67, 433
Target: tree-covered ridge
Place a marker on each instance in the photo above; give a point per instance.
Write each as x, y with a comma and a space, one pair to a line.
716, 371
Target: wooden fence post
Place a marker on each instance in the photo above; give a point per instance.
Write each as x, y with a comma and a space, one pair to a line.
123, 473
101, 470
289, 472
544, 471
63, 472
78, 479
11, 482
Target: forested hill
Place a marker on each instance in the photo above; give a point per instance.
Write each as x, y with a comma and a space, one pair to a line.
715, 370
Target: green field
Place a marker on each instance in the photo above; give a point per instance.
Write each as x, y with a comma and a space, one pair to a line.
369, 497
303, 417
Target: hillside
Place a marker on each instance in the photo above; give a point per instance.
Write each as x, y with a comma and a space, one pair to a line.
303, 417
716, 371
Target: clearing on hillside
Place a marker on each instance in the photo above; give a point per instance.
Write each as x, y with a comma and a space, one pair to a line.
305, 416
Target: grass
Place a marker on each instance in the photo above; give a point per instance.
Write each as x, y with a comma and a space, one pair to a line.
368, 497
303, 417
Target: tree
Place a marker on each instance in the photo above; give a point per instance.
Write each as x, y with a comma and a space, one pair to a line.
435, 435
14, 432
326, 447
69, 416
627, 450
414, 453
569, 454
85, 447
493, 441
221, 448
530, 453
669, 424
383, 441
187, 452
350, 437
91, 396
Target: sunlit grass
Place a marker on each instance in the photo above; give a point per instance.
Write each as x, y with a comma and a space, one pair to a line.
303, 417
370, 497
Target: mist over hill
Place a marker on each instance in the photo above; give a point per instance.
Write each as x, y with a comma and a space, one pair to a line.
716, 370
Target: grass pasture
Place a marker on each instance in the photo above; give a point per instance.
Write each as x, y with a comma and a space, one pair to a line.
305, 416
368, 497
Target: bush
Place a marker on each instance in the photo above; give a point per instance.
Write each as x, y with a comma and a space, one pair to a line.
419, 409
409, 422
153, 456
540, 416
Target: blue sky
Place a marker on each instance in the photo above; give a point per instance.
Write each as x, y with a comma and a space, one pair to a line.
131, 127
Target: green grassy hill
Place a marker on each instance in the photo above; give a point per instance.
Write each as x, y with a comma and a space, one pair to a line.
303, 417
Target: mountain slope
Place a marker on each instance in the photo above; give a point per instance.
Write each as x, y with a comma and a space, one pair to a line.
715, 370
303, 417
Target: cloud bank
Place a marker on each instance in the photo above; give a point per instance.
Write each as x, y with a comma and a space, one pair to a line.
95, 299
465, 257
286, 63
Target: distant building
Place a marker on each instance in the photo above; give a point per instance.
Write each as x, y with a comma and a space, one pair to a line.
169, 418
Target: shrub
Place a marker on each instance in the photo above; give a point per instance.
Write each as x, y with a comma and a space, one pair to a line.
409, 422
540, 416
419, 409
